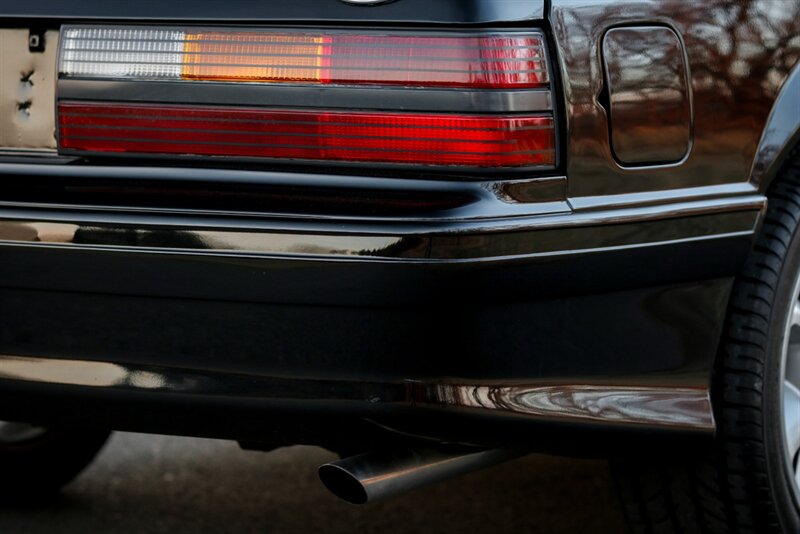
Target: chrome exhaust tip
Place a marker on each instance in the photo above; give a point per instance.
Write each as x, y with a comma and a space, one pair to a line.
374, 476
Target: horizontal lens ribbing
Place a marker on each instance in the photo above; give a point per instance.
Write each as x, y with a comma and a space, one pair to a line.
483, 61
480, 141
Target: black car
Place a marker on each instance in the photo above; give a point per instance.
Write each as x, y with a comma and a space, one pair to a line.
429, 235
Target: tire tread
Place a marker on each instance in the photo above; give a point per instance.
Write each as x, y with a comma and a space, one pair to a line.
726, 489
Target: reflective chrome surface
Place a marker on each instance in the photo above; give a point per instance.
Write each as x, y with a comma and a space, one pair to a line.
650, 114
739, 56
687, 408
287, 195
380, 475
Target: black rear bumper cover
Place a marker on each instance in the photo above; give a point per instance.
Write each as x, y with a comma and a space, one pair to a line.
605, 319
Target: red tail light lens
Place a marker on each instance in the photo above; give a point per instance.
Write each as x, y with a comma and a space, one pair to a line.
427, 139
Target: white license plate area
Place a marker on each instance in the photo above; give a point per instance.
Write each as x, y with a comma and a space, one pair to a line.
27, 92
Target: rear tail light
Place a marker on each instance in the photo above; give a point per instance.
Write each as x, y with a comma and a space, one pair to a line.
162, 90
486, 61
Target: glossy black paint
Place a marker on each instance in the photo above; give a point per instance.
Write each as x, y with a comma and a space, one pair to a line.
450, 12
739, 55
472, 300
648, 101
491, 298
365, 362
781, 134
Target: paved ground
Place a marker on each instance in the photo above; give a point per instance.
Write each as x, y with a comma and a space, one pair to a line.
157, 484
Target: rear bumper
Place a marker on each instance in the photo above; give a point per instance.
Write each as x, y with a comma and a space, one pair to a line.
458, 326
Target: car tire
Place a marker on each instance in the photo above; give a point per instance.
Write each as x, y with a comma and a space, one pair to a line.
35, 463
746, 479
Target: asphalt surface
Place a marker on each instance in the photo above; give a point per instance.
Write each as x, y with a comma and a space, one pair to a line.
157, 484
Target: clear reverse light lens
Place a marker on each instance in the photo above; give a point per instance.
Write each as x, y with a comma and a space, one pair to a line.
117, 52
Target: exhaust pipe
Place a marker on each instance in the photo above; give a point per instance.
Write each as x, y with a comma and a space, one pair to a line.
379, 475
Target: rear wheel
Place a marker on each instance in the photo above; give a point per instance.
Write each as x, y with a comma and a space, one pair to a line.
36, 462
748, 479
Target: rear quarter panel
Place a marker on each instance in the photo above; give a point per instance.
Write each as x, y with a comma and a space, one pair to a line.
739, 56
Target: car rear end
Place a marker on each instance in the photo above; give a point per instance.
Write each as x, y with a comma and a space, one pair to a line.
273, 222
435, 234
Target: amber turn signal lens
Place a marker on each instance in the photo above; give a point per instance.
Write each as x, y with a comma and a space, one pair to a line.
254, 57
